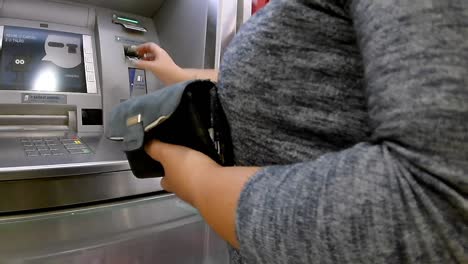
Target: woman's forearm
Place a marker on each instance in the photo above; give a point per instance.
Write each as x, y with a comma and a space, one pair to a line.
216, 196
210, 74
200, 181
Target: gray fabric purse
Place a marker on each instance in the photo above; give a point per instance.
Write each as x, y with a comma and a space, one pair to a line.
187, 114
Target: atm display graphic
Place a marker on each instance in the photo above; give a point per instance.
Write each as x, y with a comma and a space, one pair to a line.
41, 60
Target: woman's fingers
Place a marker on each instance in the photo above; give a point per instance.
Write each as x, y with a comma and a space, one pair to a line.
164, 184
148, 48
143, 64
155, 148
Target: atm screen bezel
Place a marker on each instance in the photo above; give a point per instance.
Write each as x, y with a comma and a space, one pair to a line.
87, 38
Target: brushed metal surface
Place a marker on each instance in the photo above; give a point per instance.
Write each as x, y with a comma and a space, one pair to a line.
40, 193
58, 170
244, 12
113, 63
181, 27
145, 8
1, 32
158, 229
221, 28
31, 183
107, 156
227, 25
59, 12
211, 31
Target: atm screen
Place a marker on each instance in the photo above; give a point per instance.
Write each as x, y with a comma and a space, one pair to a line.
41, 60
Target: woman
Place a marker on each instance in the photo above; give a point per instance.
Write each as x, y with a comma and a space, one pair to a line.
350, 127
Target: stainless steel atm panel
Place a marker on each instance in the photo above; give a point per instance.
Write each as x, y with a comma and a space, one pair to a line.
62, 71
52, 135
146, 230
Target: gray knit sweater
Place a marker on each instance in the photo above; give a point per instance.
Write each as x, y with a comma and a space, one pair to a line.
358, 111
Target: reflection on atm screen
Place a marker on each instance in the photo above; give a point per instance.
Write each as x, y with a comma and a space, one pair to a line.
42, 60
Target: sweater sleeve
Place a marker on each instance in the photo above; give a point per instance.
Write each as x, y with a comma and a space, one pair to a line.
401, 197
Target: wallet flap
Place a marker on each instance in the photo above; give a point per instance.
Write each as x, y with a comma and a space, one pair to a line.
148, 111
187, 114
134, 137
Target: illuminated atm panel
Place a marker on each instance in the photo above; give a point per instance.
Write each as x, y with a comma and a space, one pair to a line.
42, 60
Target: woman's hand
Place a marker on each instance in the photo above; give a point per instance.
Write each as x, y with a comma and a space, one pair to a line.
184, 168
158, 61
198, 180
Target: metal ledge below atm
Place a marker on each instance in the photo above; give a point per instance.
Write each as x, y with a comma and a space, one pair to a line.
48, 181
60, 170
161, 228
53, 192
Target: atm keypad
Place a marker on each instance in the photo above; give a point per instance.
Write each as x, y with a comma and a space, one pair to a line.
57, 152
32, 153
54, 146
73, 146
45, 152
79, 151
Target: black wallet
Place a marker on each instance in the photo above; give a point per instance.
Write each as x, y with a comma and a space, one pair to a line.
187, 114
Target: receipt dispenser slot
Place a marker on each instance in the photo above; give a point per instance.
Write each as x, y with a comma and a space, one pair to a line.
44, 118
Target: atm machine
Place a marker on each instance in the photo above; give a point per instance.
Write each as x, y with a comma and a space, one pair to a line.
67, 194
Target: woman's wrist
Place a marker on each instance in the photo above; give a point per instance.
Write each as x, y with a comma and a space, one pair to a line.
173, 75
211, 180
202, 74
182, 75
201, 182
216, 192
